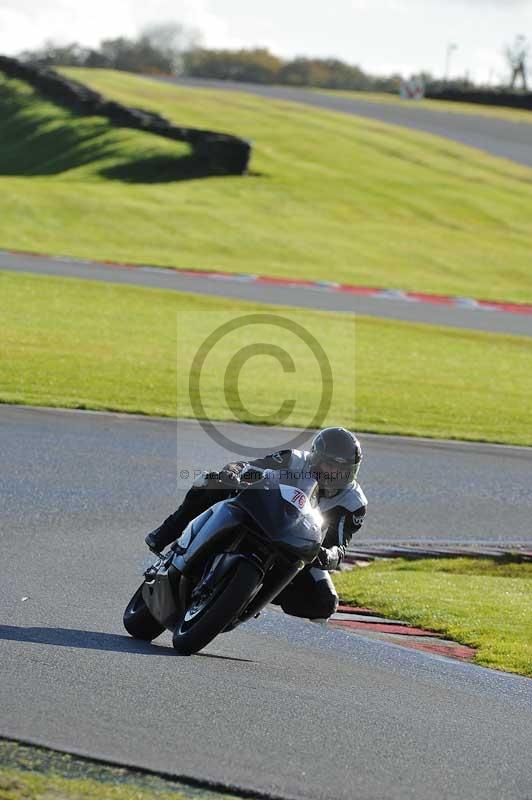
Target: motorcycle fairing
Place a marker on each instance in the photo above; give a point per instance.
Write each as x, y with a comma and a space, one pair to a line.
206, 532
159, 594
296, 533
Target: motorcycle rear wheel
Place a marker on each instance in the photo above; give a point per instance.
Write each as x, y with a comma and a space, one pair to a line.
138, 620
193, 633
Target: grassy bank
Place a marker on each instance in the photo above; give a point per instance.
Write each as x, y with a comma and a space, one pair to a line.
44, 142
481, 603
16, 784
36, 773
330, 196
83, 344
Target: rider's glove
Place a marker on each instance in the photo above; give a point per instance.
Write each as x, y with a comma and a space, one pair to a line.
227, 477
251, 474
328, 558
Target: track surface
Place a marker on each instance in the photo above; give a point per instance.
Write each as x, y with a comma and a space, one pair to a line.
419, 490
499, 137
491, 321
280, 706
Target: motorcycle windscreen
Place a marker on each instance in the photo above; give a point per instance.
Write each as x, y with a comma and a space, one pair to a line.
294, 526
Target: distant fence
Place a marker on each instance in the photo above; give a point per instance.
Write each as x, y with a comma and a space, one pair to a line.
483, 97
222, 153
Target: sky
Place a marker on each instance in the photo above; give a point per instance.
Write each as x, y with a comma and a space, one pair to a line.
381, 36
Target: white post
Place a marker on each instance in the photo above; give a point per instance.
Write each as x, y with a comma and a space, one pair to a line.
451, 47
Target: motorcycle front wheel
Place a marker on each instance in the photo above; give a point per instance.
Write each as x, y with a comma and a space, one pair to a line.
138, 620
208, 616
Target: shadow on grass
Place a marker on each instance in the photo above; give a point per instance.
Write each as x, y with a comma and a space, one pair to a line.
37, 140
159, 169
165, 169
93, 640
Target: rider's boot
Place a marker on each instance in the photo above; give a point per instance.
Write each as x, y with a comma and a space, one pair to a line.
160, 538
196, 500
207, 489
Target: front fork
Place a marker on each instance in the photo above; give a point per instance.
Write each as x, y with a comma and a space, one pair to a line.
269, 592
182, 584
220, 565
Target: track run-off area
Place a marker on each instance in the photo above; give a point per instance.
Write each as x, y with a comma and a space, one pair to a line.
280, 707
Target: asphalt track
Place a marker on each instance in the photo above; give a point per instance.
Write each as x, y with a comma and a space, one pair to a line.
241, 289
500, 137
280, 707
419, 490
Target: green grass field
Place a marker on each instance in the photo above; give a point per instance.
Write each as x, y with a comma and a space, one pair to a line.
42, 141
36, 773
331, 196
484, 604
18, 784
83, 344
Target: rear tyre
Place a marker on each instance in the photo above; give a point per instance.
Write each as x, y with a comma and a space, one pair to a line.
205, 620
138, 620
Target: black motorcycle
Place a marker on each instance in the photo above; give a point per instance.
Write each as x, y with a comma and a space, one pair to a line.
230, 562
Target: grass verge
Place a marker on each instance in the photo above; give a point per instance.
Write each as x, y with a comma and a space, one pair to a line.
481, 603
37, 773
42, 141
83, 344
330, 197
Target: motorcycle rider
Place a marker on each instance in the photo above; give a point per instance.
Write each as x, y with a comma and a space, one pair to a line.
334, 461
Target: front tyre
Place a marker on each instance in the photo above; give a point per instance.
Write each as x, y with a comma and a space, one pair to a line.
138, 620
205, 619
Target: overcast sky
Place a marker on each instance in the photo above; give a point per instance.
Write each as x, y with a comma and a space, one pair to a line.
379, 35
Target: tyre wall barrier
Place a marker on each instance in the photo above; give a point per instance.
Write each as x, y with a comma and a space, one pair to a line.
483, 97
222, 153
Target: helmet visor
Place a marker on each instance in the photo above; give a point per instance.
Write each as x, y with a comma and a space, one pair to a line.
334, 474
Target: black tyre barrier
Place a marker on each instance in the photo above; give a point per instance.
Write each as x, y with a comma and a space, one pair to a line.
222, 153
484, 97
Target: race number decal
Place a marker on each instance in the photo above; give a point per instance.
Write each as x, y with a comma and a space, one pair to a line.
299, 499
296, 497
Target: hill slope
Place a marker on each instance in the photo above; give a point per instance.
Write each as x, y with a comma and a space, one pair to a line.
39, 138
330, 197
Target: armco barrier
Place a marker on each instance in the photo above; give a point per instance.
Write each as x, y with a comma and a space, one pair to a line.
222, 153
483, 97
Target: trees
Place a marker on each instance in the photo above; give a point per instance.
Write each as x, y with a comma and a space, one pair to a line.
174, 49
255, 66
304, 72
171, 40
70, 55
159, 47
260, 66
325, 73
134, 55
